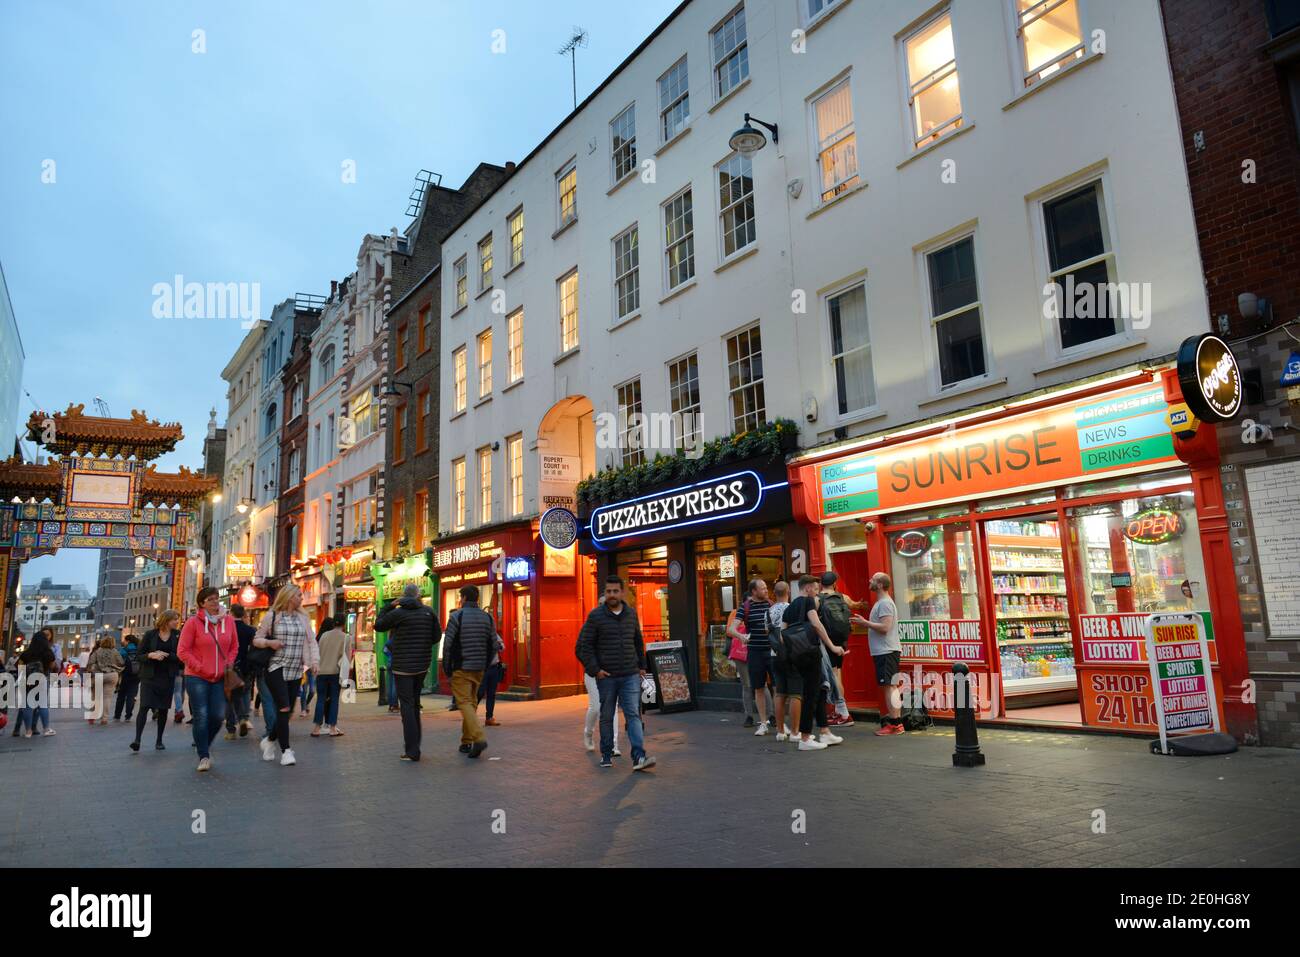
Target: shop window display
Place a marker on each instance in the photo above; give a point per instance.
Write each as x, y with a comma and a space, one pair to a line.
723, 569
934, 573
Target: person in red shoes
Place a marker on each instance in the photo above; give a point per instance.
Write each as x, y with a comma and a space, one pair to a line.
886, 649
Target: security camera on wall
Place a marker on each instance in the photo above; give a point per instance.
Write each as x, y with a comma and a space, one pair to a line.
810, 408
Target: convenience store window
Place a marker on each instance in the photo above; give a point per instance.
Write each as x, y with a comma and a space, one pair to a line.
933, 571
1139, 555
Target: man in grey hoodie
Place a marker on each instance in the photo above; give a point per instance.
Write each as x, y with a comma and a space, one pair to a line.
471, 642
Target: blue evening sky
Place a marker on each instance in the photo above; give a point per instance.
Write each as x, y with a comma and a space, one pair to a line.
225, 166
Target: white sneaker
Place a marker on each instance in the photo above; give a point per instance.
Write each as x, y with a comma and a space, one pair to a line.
50, 731
762, 730
812, 744
616, 752
587, 741
828, 738
785, 729
782, 736
268, 749
287, 758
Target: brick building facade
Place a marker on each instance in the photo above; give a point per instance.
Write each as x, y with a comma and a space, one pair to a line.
414, 336
293, 443
1236, 69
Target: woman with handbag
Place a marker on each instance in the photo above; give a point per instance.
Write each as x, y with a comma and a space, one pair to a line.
105, 661
286, 630
208, 648
158, 666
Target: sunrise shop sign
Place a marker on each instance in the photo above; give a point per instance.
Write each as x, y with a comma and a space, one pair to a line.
1120, 433
728, 496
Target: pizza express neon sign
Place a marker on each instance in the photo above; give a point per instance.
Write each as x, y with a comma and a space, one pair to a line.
728, 496
1154, 526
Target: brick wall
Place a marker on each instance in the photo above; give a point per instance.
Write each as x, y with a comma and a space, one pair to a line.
1230, 89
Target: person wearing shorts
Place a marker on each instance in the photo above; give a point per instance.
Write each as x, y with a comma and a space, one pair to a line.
759, 661
886, 649
786, 685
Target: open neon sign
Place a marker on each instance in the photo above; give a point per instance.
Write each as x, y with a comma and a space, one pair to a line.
1154, 526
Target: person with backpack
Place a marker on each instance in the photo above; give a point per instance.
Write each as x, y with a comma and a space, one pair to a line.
471, 642
287, 632
738, 653
413, 630
208, 647
802, 632
130, 681
886, 650
836, 611
239, 705
39, 659
753, 612
105, 661
158, 663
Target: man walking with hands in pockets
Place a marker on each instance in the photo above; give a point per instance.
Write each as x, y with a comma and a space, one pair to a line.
611, 650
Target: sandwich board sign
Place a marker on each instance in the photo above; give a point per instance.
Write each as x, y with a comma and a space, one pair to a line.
1181, 680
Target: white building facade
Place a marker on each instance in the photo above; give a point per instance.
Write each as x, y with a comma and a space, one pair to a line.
324, 413
232, 529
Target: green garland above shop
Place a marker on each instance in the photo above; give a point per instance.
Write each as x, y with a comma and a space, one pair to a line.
773, 440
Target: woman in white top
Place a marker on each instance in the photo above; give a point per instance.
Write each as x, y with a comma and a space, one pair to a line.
287, 630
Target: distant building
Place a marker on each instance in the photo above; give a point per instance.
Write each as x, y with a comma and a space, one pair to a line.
11, 370
148, 592
39, 604
214, 463
116, 566
74, 629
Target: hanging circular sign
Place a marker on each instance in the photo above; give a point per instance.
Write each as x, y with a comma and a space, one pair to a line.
1154, 526
558, 527
1210, 379
911, 544
674, 571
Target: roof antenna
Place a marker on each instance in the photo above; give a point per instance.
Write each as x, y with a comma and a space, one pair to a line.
579, 39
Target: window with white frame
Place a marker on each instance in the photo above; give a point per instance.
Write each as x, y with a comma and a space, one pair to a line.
458, 494
515, 227
485, 485
730, 53
566, 183
295, 468
485, 262
627, 273
837, 148
295, 405
855, 383
955, 312
679, 239
569, 312
326, 364
933, 93
515, 345
459, 380
622, 143
684, 401
745, 380
630, 433
460, 275
736, 201
484, 351
674, 101
812, 9
1081, 266
1049, 35
515, 482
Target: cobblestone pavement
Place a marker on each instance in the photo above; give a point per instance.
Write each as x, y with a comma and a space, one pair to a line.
720, 796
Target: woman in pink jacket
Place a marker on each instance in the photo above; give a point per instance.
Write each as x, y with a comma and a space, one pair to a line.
208, 646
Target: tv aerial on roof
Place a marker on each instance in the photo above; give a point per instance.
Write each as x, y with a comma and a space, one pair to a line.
578, 39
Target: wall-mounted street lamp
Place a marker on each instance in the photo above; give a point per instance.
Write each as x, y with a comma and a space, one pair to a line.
747, 141
391, 393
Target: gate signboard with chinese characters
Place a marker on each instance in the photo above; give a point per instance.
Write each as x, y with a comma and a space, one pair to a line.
100, 490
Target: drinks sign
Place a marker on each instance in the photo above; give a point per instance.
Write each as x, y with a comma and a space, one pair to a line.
1126, 431
1180, 675
955, 640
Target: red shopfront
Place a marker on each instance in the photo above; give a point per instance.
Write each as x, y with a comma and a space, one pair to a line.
537, 596
1031, 543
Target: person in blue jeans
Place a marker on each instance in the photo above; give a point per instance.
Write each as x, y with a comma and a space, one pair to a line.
208, 646
612, 651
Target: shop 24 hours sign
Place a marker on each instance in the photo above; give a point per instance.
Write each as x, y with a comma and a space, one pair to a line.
1126, 431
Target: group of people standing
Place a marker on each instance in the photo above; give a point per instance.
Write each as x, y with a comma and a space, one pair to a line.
790, 651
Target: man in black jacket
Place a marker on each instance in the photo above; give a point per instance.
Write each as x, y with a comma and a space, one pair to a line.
611, 651
471, 643
238, 704
413, 630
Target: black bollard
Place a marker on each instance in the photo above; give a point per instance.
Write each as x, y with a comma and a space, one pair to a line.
968, 753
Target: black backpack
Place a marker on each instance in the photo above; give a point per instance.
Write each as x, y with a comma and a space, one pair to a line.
802, 647
914, 714
836, 615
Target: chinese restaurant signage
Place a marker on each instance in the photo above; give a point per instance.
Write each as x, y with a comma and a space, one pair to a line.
357, 566
359, 594
956, 640
727, 496
1154, 526
911, 544
240, 566
1210, 379
465, 554
1126, 431
1180, 675
391, 580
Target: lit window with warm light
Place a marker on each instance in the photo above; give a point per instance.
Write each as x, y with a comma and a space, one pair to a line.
1050, 36
933, 96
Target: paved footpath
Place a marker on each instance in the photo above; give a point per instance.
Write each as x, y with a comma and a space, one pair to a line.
720, 796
